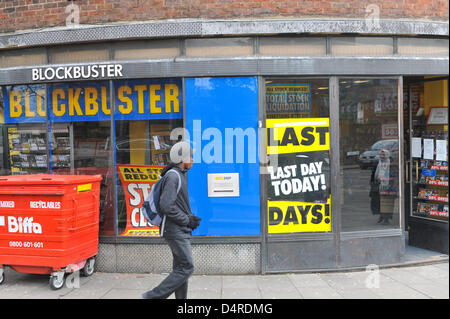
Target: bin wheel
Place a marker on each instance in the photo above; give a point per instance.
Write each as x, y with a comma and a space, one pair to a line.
89, 268
2, 278
57, 281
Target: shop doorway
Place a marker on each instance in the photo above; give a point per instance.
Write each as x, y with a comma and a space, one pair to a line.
297, 189
426, 162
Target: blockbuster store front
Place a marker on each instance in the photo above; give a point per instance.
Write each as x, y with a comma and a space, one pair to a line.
301, 163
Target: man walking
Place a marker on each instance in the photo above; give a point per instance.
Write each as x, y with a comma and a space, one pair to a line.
177, 230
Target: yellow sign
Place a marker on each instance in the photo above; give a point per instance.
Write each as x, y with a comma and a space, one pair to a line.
299, 195
297, 135
84, 188
288, 89
138, 173
297, 217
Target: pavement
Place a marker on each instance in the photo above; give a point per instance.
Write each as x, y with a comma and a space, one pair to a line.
426, 280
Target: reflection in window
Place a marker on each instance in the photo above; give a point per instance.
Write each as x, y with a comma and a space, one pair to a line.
369, 153
219, 47
292, 46
362, 46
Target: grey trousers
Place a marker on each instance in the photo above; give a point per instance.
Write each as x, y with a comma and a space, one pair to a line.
183, 267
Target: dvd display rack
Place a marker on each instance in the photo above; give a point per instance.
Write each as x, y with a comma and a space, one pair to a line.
61, 152
430, 177
27, 149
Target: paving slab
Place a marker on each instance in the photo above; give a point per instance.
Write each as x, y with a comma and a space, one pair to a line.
241, 293
307, 280
398, 290
430, 281
238, 282
319, 293
358, 293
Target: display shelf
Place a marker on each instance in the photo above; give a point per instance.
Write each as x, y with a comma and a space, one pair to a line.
160, 143
27, 149
60, 146
441, 199
429, 183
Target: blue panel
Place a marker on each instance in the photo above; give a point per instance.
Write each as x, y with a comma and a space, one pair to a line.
215, 109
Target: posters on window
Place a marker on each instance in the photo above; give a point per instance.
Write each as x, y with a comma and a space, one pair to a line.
137, 181
288, 100
299, 194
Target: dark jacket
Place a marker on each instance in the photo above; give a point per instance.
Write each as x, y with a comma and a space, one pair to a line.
175, 206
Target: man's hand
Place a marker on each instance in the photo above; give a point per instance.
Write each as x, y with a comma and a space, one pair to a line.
194, 221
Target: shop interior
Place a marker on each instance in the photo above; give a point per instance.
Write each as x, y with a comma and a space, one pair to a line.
426, 161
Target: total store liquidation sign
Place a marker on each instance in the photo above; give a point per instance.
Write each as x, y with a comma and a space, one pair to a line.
299, 195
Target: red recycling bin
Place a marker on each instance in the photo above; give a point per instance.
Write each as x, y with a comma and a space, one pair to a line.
49, 224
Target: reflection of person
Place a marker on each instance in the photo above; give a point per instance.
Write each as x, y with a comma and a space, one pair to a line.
374, 195
385, 175
179, 224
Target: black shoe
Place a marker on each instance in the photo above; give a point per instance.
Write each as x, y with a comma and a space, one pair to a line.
146, 295
380, 220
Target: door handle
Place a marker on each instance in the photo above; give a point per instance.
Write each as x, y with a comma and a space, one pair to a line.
407, 172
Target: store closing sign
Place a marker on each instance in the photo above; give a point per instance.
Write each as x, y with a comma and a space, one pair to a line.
90, 101
137, 181
299, 193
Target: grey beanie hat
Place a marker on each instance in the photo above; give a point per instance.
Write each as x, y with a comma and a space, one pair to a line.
181, 152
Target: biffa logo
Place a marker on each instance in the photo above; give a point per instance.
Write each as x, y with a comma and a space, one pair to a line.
25, 225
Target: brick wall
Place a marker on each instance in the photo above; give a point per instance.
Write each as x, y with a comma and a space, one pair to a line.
30, 14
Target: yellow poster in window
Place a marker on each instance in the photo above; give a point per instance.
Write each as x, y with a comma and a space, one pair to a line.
299, 195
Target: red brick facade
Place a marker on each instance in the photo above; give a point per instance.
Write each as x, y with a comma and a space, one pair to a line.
31, 14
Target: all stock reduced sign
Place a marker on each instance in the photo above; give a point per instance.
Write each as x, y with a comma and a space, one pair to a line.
299, 195
137, 181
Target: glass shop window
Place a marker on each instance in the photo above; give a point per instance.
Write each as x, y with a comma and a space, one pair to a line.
79, 120
428, 153
23, 133
369, 149
147, 111
298, 152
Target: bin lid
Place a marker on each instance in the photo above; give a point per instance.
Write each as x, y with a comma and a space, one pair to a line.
48, 179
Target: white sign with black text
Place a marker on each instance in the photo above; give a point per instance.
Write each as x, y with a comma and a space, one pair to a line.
223, 185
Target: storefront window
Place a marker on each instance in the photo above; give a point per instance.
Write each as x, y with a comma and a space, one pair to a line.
59, 129
428, 149
298, 149
80, 138
23, 57
219, 47
369, 154
24, 146
146, 113
303, 46
362, 46
65, 128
